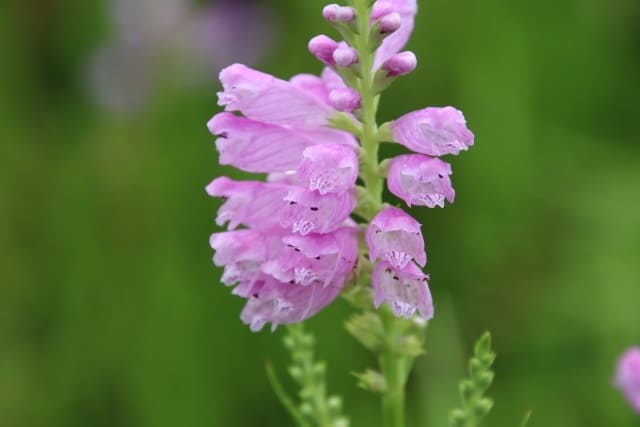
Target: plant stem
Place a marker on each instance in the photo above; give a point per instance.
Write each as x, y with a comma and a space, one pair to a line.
394, 365
394, 369
369, 105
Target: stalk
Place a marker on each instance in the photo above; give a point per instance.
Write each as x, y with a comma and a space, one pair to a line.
394, 366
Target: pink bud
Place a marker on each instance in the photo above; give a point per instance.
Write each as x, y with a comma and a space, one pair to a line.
400, 64
345, 99
382, 8
345, 56
336, 13
322, 47
390, 23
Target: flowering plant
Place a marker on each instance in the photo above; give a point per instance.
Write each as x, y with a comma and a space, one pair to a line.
318, 228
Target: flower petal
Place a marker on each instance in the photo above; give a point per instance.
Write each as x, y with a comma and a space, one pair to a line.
257, 147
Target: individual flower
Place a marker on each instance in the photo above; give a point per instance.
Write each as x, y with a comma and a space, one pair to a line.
420, 180
628, 377
434, 131
271, 301
262, 97
325, 259
395, 236
329, 168
258, 147
405, 289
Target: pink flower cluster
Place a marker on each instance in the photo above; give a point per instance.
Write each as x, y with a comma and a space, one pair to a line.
291, 244
296, 246
628, 377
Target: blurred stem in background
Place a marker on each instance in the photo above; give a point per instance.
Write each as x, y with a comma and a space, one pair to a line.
315, 407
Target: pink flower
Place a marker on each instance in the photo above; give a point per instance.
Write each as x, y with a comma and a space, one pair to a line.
256, 146
329, 168
310, 212
406, 290
262, 97
264, 205
434, 131
420, 180
628, 377
324, 259
271, 301
395, 236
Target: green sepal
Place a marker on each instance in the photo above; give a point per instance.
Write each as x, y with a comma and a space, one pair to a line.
343, 121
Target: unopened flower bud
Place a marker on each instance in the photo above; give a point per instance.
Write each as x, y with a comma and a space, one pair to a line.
390, 23
345, 99
323, 47
337, 13
400, 64
345, 56
382, 8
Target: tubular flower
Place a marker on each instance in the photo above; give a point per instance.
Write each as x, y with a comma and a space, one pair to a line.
395, 236
628, 377
421, 180
406, 289
433, 131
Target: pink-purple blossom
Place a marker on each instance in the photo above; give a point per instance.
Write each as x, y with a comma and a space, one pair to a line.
395, 236
627, 377
329, 168
420, 180
434, 131
262, 97
405, 289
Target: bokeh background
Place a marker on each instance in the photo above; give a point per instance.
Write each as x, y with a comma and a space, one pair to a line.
111, 313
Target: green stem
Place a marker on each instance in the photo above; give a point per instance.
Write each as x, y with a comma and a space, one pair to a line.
370, 171
394, 369
394, 366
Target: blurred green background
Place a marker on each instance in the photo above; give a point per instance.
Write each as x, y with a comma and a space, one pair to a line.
111, 313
